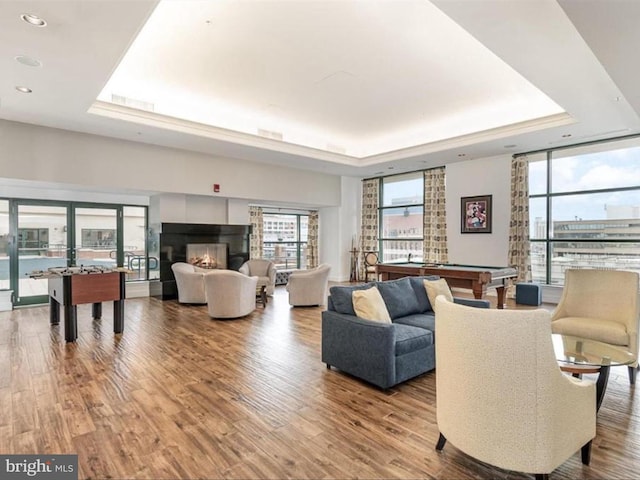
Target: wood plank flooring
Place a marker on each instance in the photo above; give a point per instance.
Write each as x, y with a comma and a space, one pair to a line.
179, 396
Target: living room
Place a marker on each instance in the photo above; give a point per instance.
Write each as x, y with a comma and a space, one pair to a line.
193, 397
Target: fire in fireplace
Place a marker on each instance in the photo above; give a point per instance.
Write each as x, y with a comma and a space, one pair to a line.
207, 255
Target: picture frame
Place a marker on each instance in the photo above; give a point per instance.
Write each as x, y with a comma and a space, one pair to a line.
476, 214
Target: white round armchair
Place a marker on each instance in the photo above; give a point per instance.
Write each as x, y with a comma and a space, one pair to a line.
265, 270
189, 282
230, 294
309, 287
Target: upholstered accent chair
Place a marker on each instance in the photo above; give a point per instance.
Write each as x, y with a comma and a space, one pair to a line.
600, 305
230, 294
309, 287
265, 270
189, 282
501, 397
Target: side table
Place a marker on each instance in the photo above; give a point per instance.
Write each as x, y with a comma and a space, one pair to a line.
261, 295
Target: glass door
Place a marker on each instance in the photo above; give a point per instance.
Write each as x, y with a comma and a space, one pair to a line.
38, 235
4, 246
41, 243
97, 238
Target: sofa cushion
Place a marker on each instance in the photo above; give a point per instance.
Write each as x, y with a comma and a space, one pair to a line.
409, 339
341, 297
369, 304
435, 288
399, 297
417, 283
420, 320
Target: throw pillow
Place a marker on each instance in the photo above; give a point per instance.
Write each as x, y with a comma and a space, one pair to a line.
399, 297
341, 297
369, 304
435, 288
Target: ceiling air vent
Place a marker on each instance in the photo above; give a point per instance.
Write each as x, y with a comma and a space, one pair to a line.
132, 103
270, 134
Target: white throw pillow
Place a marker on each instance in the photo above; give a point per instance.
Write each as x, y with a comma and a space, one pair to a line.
370, 305
435, 288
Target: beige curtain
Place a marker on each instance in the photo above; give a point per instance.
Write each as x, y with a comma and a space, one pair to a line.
519, 248
312, 240
434, 248
255, 242
369, 220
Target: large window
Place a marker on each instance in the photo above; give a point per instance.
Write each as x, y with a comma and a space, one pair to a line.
585, 209
401, 217
285, 239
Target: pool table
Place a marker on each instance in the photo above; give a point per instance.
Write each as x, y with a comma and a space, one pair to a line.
473, 277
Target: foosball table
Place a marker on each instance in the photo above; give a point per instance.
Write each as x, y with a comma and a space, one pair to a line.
73, 286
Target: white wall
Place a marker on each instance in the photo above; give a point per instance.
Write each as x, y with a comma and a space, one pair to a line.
339, 226
34, 153
201, 209
237, 212
49, 192
487, 176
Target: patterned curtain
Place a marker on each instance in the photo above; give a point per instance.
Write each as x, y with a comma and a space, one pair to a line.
255, 243
434, 248
312, 240
369, 225
519, 249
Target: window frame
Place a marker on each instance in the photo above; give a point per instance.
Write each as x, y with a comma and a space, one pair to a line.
551, 238
382, 208
299, 244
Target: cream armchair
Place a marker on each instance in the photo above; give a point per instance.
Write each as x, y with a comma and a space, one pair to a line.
600, 305
501, 397
308, 287
230, 294
189, 282
265, 270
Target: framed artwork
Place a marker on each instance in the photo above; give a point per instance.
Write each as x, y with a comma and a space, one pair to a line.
475, 214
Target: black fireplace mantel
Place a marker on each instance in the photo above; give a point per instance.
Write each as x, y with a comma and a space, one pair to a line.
174, 238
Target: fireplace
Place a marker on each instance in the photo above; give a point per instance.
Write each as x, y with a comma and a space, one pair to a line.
207, 255
181, 242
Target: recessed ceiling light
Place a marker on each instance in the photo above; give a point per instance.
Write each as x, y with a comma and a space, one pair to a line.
24, 89
34, 20
28, 61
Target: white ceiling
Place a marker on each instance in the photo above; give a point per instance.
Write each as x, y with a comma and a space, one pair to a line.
361, 83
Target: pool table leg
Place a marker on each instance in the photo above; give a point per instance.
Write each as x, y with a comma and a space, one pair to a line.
480, 290
500, 291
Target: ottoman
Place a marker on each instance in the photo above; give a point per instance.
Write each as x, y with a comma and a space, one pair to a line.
528, 294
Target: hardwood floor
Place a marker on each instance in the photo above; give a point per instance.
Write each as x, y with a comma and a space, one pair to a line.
179, 395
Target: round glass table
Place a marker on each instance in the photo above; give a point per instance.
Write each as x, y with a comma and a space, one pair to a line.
578, 355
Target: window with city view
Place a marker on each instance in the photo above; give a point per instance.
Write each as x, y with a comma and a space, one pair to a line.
284, 237
584, 207
401, 217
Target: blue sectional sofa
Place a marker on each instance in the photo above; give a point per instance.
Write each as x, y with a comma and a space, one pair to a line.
383, 354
